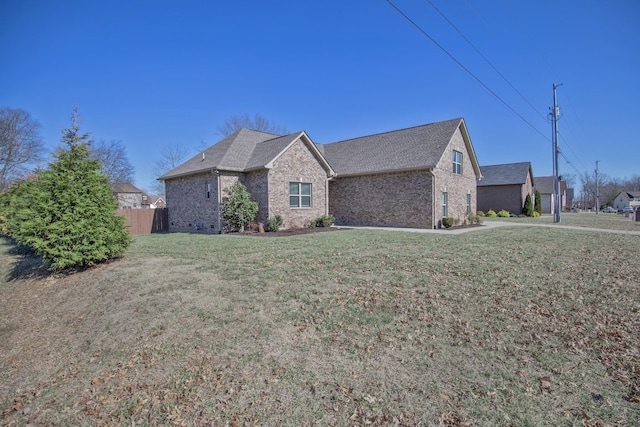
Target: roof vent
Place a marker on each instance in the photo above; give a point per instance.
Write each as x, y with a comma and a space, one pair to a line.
203, 155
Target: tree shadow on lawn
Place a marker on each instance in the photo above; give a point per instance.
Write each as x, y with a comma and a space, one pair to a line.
27, 265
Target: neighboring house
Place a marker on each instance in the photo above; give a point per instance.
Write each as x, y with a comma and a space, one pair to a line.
546, 186
129, 196
505, 187
158, 203
627, 199
405, 178
286, 175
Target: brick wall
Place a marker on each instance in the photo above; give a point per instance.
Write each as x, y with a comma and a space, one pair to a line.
456, 186
190, 207
257, 183
498, 197
297, 164
401, 199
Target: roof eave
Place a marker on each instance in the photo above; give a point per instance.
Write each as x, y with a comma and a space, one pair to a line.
470, 149
203, 170
384, 171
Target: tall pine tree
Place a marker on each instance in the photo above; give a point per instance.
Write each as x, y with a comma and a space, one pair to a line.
538, 203
528, 206
73, 209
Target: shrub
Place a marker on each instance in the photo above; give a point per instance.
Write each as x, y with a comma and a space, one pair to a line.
491, 213
325, 221
537, 203
274, 223
480, 214
528, 206
536, 214
475, 219
237, 208
447, 222
503, 214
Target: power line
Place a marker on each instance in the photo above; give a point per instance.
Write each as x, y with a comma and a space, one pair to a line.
486, 59
499, 39
461, 65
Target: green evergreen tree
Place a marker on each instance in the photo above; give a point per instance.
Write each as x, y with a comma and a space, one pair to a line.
528, 206
71, 214
538, 203
237, 208
16, 215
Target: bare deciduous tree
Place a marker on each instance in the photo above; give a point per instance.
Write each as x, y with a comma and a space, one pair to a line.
257, 122
171, 156
114, 162
20, 144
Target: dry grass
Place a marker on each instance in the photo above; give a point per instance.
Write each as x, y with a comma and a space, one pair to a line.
511, 326
582, 219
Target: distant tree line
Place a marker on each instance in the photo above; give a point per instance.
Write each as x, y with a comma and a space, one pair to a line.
608, 188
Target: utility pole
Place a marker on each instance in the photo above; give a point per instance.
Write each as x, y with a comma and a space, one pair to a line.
597, 194
556, 178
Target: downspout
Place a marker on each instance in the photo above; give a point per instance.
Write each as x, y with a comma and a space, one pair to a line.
217, 172
326, 195
433, 198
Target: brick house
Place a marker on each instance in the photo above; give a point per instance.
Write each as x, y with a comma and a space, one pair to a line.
286, 175
406, 178
505, 187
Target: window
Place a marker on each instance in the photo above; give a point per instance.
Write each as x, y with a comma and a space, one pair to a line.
468, 203
208, 190
299, 195
457, 162
444, 204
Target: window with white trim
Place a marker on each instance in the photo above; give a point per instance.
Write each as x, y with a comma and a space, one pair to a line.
208, 190
444, 204
299, 194
457, 162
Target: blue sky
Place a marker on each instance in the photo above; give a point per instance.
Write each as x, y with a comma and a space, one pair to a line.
154, 73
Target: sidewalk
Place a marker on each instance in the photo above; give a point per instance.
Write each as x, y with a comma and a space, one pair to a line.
488, 225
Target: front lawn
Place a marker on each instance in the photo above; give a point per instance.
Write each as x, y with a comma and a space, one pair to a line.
521, 326
581, 219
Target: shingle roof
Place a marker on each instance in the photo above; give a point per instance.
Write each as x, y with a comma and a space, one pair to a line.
233, 153
545, 184
506, 174
265, 152
406, 149
632, 194
125, 187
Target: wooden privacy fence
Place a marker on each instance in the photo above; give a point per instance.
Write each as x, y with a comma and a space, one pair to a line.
145, 221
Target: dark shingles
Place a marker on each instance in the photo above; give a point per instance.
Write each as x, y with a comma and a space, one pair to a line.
265, 152
506, 174
231, 153
405, 149
545, 184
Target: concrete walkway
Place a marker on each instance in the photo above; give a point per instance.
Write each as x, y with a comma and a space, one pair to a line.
488, 225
